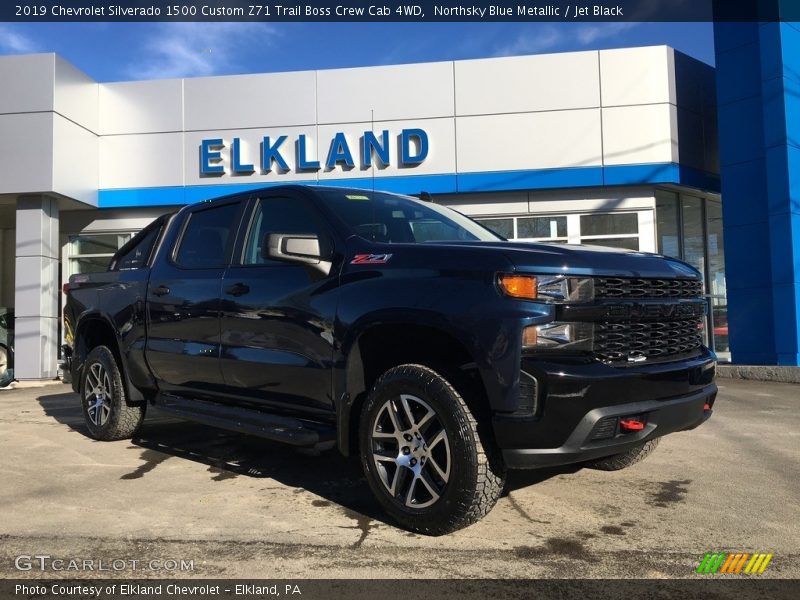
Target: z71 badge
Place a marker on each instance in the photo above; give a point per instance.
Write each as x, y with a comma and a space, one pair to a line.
370, 259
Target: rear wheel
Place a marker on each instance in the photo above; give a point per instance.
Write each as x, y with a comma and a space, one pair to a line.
105, 410
615, 462
423, 455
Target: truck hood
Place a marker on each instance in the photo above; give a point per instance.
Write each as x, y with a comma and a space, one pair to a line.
533, 257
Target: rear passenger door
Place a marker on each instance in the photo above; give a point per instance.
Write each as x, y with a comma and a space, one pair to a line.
127, 300
183, 300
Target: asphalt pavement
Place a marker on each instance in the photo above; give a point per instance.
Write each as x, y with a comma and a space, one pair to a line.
217, 504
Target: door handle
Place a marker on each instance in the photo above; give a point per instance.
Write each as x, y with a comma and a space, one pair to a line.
237, 289
161, 290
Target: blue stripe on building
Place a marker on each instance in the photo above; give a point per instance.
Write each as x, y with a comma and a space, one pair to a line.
653, 173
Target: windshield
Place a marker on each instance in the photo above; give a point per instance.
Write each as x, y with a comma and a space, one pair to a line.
387, 218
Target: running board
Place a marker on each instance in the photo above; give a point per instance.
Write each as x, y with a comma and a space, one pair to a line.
288, 430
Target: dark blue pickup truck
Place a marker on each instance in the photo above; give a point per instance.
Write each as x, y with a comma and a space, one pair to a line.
396, 330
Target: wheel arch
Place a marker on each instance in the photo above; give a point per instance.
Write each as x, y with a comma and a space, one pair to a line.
384, 345
96, 329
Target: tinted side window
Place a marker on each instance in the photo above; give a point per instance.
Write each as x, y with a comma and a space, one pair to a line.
137, 256
206, 237
281, 215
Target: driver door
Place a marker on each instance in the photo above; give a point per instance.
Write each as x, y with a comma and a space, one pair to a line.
278, 317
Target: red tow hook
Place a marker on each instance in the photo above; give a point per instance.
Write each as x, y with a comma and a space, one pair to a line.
631, 425
706, 407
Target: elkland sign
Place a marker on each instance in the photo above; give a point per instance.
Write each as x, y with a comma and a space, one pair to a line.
410, 148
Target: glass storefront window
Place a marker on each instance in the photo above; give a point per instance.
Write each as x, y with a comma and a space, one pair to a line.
504, 227
693, 239
690, 228
616, 230
719, 313
542, 227
715, 248
101, 243
630, 243
609, 224
667, 223
92, 264
91, 253
613, 230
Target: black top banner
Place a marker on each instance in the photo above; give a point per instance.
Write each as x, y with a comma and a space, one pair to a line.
400, 10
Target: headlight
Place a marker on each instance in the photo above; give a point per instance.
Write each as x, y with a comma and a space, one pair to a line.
559, 336
547, 288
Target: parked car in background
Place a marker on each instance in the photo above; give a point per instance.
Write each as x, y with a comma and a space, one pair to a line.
6, 346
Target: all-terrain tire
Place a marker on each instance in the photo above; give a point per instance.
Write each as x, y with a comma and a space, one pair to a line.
105, 409
615, 462
474, 469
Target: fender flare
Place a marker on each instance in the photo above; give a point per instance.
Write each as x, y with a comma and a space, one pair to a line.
349, 384
132, 394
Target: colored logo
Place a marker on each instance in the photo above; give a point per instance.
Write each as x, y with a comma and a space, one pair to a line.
735, 563
370, 259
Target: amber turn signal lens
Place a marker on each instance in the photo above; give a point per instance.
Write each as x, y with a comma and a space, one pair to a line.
529, 336
519, 286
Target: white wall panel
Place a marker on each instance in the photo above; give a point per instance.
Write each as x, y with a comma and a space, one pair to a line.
569, 138
441, 149
88, 221
36, 345
250, 101
27, 83
517, 113
75, 161
590, 200
637, 76
394, 92
527, 83
141, 106
75, 95
640, 134
26, 154
486, 207
140, 161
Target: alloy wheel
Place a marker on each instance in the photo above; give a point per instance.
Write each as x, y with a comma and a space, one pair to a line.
97, 394
411, 451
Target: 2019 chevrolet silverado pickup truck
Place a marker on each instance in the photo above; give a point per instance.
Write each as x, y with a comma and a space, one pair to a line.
396, 330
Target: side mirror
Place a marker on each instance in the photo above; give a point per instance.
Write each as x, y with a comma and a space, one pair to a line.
302, 248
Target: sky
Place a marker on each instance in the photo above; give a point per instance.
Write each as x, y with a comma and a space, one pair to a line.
129, 51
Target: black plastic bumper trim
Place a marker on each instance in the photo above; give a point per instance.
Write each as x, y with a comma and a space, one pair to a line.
663, 417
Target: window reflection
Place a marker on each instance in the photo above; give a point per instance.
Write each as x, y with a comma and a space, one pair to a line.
693, 238
668, 239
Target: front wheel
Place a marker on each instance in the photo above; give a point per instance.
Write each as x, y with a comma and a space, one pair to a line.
105, 409
423, 456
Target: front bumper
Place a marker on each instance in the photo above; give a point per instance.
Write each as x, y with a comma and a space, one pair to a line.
662, 417
580, 403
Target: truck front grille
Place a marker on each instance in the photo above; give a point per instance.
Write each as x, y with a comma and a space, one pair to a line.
618, 287
631, 342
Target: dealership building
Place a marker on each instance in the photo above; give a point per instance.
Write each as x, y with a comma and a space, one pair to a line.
613, 147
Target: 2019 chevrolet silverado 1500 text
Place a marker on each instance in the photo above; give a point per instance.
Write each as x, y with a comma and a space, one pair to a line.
397, 330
